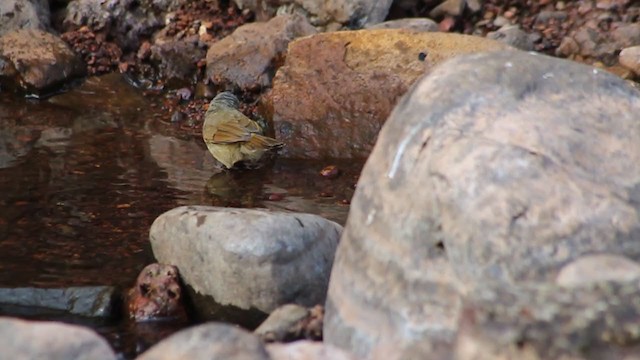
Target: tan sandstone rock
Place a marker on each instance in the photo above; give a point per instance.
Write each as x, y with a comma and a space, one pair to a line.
335, 90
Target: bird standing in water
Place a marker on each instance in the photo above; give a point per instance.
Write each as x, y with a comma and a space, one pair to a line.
232, 137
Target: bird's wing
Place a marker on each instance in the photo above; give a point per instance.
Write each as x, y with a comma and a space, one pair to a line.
235, 127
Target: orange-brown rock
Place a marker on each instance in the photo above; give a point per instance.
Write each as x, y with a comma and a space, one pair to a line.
335, 90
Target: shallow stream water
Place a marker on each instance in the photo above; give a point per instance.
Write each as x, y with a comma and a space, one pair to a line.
84, 174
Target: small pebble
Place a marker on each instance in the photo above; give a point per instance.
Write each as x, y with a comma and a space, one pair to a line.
330, 171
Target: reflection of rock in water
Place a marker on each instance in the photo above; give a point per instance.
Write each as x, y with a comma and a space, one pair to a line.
187, 165
14, 143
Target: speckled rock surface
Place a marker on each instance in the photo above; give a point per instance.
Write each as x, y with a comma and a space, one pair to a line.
250, 259
23, 14
20, 339
326, 15
483, 172
545, 322
36, 61
335, 90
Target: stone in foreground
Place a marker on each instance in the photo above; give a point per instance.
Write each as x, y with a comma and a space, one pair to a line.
247, 260
209, 341
20, 339
497, 167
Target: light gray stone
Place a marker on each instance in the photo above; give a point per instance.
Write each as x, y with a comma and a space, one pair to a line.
415, 24
20, 339
497, 167
209, 341
591, 269
251, 259
281, 321
247, 58
514, 36
24, 14
326, 15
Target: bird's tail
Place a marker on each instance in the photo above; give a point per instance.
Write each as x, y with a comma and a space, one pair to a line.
263, 142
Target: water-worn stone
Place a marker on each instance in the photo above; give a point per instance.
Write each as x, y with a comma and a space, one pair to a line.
307, 350
250, 259
280, 322
547, 322
325, 15
591, 269
630, 58
209, 341
20, 339
335, 90
23, 14
249, 57
88, 301
36, 61
483, 170
415, 24
129, 22
514, 36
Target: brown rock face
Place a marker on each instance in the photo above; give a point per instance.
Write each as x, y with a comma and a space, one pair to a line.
500, 168
335, 91
36, 61
248, 58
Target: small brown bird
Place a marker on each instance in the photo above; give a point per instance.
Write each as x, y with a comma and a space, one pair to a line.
232, 137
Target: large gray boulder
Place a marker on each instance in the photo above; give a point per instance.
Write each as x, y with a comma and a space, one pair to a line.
498, 167
241, 264
20, 339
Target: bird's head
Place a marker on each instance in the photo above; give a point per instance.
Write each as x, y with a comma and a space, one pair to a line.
225, 98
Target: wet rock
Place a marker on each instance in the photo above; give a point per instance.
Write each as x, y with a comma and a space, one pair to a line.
249, 57
89, 301
415, 24
307, 350
597, 268
156, 295
281, 322
546, 322
325, 15
630, 58
332, 104
23, 14
514, 36
21, 339
209, 341
177, 61
249, 261
504, 182
129, 22
36, 61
